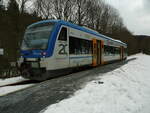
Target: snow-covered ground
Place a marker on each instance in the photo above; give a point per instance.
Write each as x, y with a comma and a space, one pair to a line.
123, 90
11, 80
9, 89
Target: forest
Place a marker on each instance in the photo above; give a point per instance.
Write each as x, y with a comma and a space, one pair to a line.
16, 15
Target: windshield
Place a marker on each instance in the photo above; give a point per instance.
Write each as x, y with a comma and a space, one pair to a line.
37, 36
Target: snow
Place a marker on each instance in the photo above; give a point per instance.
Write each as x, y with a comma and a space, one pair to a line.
11, 80
123, 90
9, 89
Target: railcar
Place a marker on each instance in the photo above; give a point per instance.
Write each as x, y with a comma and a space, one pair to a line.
53, 47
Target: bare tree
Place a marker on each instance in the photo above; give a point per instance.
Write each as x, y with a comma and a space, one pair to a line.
43, 8
2, 7
95, 14
68, 9
79, 11
22, 4
55, 9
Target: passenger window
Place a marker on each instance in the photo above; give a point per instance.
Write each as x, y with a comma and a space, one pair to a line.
79, 46
63, 34
110, 50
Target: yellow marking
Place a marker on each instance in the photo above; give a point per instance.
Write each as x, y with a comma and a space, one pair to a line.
94, 52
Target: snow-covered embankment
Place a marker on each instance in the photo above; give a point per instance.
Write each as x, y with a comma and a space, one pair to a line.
124, 90
4, 89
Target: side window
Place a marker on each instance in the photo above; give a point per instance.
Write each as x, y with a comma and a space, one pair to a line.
63, 34
79, 46
110, 50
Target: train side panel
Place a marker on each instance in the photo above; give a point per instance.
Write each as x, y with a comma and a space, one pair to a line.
80, 48
61, 51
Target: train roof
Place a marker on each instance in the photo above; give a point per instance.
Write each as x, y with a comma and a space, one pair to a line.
79, 28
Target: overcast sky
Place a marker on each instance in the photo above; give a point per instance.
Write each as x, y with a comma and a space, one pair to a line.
135, 13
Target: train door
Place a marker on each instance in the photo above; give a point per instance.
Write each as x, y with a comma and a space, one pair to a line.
94, 52
122, 53
62, 49
97, 52
102, 51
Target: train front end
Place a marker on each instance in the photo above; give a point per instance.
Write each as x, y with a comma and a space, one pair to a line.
37, 45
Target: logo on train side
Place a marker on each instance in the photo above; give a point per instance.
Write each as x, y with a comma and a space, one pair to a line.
62, 50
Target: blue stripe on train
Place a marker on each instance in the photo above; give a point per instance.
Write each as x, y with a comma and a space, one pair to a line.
78, 57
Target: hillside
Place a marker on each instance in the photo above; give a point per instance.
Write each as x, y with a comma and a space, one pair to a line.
143, 43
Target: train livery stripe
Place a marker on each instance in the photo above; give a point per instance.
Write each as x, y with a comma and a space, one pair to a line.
80, 57
102, 50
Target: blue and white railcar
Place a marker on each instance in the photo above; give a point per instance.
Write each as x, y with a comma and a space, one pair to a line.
53, 47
